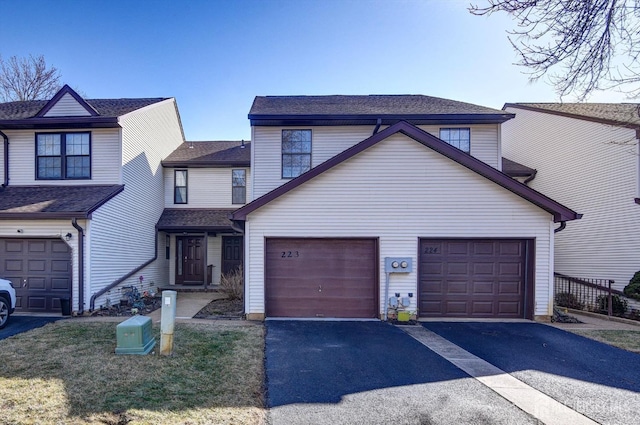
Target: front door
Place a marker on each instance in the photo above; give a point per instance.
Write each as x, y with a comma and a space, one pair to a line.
231, 253
189, 260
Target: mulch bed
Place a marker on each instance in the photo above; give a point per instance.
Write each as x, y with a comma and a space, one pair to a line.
119, 310
222, 309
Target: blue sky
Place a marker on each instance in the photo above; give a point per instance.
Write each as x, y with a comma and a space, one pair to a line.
215, 56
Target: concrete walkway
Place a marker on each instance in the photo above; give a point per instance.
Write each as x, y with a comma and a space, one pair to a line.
592, 321
530, 400
188, 304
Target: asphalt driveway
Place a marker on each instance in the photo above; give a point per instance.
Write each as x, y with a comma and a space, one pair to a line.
595, 379
370, 373
18, 324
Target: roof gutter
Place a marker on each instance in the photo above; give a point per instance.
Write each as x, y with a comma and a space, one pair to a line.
531, 177
6, 159
74, 223
92, 302
378, 124
563, 224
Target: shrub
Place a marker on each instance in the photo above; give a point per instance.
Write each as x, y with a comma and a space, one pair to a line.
619, 305
233, 284
632, 290
566, 299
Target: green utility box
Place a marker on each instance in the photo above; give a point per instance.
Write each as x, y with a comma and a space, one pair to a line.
134, 336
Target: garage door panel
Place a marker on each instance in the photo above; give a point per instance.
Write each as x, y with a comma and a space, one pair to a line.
13, 265
37, 266
476, 278
321, 278
39, 269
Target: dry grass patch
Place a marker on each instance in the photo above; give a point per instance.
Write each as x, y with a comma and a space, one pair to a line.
67, 373
627, 340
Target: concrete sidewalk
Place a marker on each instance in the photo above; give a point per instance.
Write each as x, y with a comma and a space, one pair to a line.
188, 304
592, 321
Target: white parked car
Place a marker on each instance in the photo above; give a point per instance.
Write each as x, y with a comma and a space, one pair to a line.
7, 301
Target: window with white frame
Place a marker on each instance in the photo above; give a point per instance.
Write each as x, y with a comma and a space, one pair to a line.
63, 156
458, 137
239, 186
296, 152
180, 187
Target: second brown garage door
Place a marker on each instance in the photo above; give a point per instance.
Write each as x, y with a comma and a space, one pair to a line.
321, 278
39, 269
475, 278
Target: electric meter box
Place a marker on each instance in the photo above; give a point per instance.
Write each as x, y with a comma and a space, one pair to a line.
135, 336
398, 264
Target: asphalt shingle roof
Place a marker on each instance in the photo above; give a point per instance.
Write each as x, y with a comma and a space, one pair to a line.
364, 105
105, 107
210, 153
55, 200
625, 113
196, 218
515, 169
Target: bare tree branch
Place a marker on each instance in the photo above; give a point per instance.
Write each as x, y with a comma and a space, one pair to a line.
579, 45
27, 79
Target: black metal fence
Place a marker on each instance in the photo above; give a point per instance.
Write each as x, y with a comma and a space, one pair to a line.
593, 295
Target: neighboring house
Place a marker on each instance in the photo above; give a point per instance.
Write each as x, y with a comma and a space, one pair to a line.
81, 194
340, 183
586, 155
204, 183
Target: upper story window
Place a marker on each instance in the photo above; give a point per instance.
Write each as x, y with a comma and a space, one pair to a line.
296, 152
239, 186
63, 156
180, 187
458, 137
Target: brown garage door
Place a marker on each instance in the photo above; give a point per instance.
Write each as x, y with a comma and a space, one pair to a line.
321, 278
39, 269
475, 278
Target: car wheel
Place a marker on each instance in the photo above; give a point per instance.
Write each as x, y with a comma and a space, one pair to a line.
4, 312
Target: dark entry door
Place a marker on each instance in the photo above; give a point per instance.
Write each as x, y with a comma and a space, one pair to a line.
189, 260
231, 253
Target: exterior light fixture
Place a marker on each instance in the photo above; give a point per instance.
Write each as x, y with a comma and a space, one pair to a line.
67, 237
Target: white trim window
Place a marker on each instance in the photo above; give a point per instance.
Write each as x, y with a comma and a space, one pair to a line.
238, 186
458, 137
296, 153
180, 187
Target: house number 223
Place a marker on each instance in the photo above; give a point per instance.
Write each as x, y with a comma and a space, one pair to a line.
289, 254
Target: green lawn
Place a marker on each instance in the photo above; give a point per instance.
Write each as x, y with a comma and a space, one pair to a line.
627, 340
67, 373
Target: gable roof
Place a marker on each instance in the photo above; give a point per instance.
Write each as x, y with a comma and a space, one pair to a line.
357, 110
560, 212
619, 114
210, 154
102, 113
41, 202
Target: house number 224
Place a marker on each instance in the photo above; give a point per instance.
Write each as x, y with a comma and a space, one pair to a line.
289, 254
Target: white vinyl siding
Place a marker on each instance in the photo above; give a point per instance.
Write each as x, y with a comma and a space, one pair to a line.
398, 191
593, 169
123, 230
67, 106
328, 141
49, 229
207, 188
105, 158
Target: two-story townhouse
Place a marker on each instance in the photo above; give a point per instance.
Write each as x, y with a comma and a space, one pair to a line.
586, 155
82, 192
204, 183
362, 199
